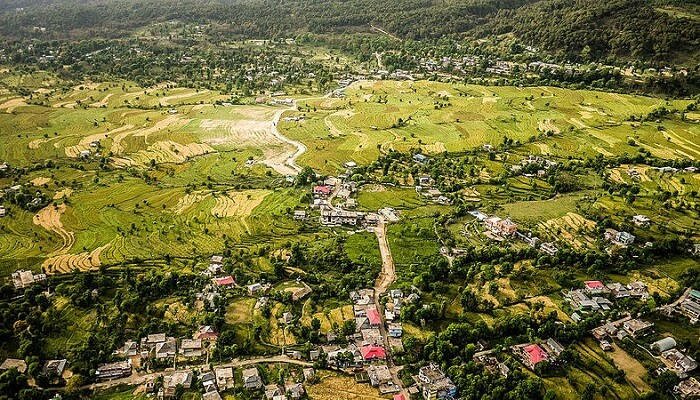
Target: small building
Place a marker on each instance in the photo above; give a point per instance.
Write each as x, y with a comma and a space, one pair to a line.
3, 211
637, 328
130, 349
206, 333
22, 279
19, 365
373, 316
594, 287
273, 391
688, 389
664, 344
549, 248
224, 378
251, 379
225, 282
531, 354
434, 384
395, 330
294, 390
299, 215
213, 395
309, 373
372, 352
171, 382
167, 349
379, 375
53, 370
322, 190
641, 220
191, 348
605, 345
678, 362
115, 370
420, 158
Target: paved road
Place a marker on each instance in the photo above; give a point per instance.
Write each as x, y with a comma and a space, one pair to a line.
136, 379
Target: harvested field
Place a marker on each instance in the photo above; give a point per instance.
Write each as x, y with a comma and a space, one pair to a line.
64, 263
10, 105
49, 218
186, 202
40, 181
342, 388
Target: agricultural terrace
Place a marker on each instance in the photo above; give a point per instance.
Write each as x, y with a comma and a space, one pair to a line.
437, 117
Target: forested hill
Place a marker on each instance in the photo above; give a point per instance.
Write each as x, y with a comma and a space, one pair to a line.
663, 31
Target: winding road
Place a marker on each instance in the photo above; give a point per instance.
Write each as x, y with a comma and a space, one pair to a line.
291, 159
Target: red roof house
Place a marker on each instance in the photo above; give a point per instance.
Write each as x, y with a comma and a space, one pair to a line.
399, 396
372, 352
324, 190
206, 333
373, 317
594, 285
535, 354
225, 281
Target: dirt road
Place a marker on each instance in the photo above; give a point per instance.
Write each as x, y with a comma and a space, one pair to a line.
288, 161
388, 274
136, 379
384, 280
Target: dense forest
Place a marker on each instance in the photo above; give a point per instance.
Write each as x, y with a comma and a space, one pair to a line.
663, 31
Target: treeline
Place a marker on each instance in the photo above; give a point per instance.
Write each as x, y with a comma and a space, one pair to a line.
582, 30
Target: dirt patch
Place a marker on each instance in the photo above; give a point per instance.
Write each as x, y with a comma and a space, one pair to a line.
634, 370
167, 100
64, 263
102, 103
238, 204
185, 202
342, 388
49, 218
164, 152
435, 148
40, 181
63, 193
547, 125
11, 105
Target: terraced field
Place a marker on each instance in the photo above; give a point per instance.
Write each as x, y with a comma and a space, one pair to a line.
442, 117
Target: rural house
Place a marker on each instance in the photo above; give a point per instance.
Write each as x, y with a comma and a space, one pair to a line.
434, 384
251, 379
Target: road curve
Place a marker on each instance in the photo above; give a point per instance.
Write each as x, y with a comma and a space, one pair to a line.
291, 160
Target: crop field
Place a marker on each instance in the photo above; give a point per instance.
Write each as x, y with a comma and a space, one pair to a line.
442, 117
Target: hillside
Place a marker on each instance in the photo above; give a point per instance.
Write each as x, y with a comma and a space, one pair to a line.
584, 30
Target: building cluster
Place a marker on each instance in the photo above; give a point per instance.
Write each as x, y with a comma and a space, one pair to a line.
596, 296
688, 305
161, 347
432, 383
534, 166
499, 229
22, 279
531, 354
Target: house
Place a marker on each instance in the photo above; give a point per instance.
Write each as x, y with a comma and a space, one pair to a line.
372, 352
129, 349
361, 323
678, 362
299, 215
206, 333
688, 389
594, 287
507, 227
638, 289
119, 369
191, 348
224, 282
370, 336
493, 365
373, 316
350, 165
309, 373
166, 349
605, 345
22, 278
549, 248
637, 328
208, 380
84, 153
481, 217
395, 330
530, 354
618, 290
625, 238
171, 382
150, 342
19, 365
424, 180
251, 379
336, 216
379, 375
213, 395
322, 190
434, 384
224, 378
294, 390
641, 220
256, 288
420, 158
273, 390
287, 318
3, 212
